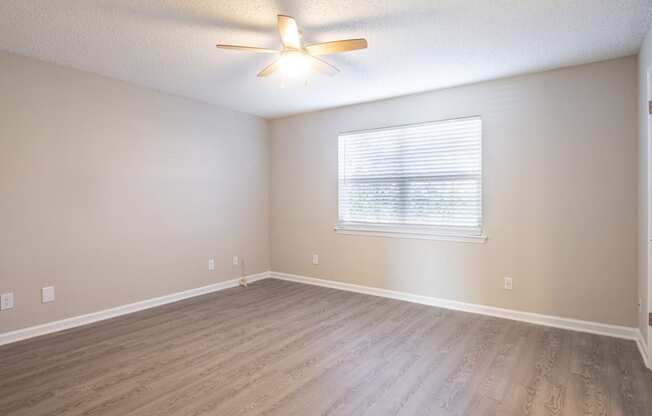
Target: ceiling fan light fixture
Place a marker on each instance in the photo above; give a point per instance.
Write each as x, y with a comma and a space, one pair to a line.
294, 64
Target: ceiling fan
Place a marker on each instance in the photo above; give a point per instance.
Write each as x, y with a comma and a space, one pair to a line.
295, 58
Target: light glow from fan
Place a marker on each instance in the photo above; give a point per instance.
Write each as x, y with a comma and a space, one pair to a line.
294, 64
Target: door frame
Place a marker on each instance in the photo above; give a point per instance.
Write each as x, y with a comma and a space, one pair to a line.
648, 126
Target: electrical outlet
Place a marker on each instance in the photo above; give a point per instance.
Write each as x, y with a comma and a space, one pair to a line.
236, 260
211, 265
47, 294
508, 283
315, 259
6, 301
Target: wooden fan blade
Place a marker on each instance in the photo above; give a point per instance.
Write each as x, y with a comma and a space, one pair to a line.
270, 69
336, 46
247, 48
323, 66
287, 28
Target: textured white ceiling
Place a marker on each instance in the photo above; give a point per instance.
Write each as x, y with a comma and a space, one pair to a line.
414, 45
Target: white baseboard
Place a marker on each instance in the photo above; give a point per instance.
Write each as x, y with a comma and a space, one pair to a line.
534, 318
50, 327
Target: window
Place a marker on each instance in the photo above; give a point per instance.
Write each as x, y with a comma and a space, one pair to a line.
421, 180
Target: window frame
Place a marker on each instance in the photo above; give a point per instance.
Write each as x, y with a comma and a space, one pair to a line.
413, 231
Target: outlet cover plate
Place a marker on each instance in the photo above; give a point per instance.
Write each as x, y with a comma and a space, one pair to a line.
6, 301
508, 283
47, 294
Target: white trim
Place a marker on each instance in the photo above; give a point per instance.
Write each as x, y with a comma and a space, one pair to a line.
534, 318
398, 232
50, 327
642, 348
417, 124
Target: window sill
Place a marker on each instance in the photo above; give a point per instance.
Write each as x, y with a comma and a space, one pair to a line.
407, 232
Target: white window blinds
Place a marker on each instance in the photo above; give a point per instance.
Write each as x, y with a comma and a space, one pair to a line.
421, 178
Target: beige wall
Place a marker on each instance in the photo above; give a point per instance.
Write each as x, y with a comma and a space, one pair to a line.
645, 66
115, 193
560, 195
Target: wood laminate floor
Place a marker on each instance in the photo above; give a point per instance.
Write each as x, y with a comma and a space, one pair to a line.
280, 348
